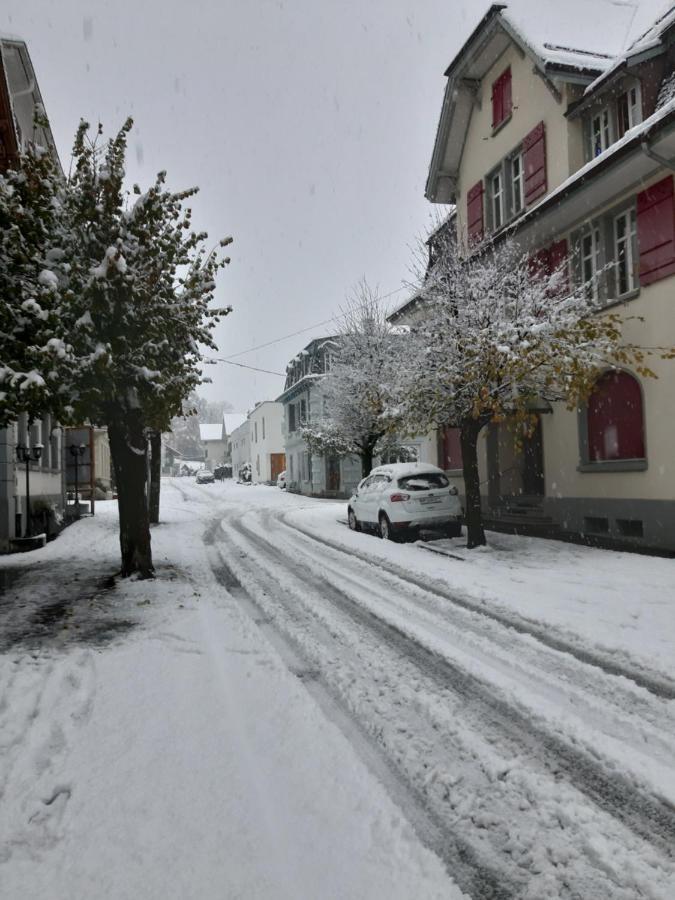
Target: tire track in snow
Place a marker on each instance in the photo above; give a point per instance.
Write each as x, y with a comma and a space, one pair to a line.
656, 683
649, 817
558, 759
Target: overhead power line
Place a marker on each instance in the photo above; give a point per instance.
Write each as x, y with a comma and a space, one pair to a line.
285, 337
215, 359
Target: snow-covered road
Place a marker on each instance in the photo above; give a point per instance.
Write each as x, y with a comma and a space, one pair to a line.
275, 724
547, 776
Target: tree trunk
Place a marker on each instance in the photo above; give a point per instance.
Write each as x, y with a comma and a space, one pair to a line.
155, 475
366, 461
470, 430
128, 448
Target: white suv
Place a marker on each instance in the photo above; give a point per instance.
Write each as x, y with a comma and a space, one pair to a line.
404, 497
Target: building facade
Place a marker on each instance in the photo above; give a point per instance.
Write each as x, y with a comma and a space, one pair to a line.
268, 456
571, 152
44, 513
303, 403
239, 446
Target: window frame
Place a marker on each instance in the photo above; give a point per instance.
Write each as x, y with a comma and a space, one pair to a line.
497, 199
629, 215
588, 466
516, 179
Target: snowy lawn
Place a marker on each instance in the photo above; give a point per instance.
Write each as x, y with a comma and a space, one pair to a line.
154, 745
618, 602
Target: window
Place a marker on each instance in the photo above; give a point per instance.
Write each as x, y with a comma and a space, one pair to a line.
615, 419
625, 252
255, 431
291, 417
600, 132
590, 261
263, 428
628, 110
497, 198
517, 192
290, 466
303, 411
501, 98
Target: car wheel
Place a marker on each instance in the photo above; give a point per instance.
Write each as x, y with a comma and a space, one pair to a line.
386, 531
454, 530
354, 523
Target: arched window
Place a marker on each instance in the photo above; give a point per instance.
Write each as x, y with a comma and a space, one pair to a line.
615, 419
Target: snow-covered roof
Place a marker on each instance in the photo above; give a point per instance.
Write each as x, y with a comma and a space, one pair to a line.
23, 93
574, 40
211, 432
232, 421
643, 42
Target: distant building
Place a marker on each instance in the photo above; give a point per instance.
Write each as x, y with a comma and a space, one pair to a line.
214, 441
303, 402
240, 448
268, 458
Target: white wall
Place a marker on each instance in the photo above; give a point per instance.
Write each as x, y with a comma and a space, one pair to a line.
241, 450
266, 437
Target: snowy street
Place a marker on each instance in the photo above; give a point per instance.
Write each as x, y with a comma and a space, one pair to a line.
294, 710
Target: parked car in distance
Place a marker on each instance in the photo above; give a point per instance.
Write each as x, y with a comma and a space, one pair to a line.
399, 499
281, 480
205, 477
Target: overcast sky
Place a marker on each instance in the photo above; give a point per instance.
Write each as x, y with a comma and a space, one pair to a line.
307, 124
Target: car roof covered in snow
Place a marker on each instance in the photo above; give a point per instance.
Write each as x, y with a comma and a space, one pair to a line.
402, 470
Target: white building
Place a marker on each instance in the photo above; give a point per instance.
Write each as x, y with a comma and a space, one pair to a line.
212, 436
239, 447
268, 458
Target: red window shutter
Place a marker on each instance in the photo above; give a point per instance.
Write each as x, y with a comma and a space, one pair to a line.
474, 213
501, 98
496, 103
506, 94
615, 419
557, 259
534, 161
452, 448
656, 231
540, 262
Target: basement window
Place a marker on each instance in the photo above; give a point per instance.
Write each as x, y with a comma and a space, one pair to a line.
630, 528
596, 525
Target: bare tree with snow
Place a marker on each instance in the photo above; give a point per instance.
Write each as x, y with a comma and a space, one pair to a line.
495, 334
360, 391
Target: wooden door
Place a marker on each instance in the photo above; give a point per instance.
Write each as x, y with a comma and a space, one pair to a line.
277, 465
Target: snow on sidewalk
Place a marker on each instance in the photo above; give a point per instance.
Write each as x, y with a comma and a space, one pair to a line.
179, 757
623, 603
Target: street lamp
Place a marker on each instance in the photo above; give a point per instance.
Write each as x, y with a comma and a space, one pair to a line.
28, 455
77, 450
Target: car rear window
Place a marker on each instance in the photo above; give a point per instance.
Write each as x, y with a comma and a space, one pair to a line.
424, 482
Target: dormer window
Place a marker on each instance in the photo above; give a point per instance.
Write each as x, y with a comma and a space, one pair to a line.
501, 99
610, 122
600, 132
628, 110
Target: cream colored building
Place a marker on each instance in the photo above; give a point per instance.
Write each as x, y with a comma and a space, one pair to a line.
571, 151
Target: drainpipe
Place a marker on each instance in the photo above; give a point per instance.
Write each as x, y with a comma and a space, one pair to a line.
661, 160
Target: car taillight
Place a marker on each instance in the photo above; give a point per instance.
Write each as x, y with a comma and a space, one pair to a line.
454, 491
399, 498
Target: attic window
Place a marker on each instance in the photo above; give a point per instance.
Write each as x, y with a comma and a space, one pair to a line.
501, 98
